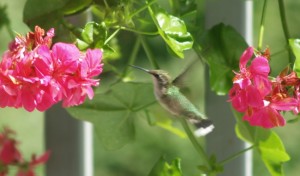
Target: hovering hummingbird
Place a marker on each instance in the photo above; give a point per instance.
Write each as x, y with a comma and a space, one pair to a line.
170, 97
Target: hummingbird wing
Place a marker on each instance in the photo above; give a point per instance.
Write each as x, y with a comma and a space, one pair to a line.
191, 81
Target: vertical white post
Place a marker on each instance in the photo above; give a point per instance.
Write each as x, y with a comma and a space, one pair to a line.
223, 141
70, 140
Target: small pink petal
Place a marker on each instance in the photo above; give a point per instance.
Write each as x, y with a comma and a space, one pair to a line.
260, 66
246, 56
238, 98
254, 98
66, 57
263, 84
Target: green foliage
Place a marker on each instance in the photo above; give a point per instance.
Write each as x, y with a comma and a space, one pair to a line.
50, 14
216, 167
172, 30
295, 45
225, 46
113, 112
266, 142
93, 35
163, 168
36, 11
3, 16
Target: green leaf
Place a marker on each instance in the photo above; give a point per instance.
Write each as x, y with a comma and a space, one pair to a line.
225, 46
172, 30
157, 116
92, 36
267, 142
50, 13
295, 45
163, 168
3, 16
74, 6
112, 113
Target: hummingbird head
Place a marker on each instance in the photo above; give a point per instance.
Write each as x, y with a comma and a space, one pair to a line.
160, 77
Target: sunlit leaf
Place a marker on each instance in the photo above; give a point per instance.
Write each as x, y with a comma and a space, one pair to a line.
112, 113
172, 30
163, 168
92, 36
295, 45
225, 46
267, 142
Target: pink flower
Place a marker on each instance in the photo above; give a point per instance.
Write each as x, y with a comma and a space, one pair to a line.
251, 84
28, 169
34, 76
80, 85
9, 154
260, 99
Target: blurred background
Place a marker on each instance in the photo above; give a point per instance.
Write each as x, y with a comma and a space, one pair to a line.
137, 158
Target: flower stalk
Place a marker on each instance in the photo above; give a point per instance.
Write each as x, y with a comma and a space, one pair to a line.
262, 27
285, 28
195, 143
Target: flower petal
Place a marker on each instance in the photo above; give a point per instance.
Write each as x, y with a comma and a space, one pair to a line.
246, 56
260, 66
266, 117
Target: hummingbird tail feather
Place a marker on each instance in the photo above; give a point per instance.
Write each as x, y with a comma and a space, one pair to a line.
203, 127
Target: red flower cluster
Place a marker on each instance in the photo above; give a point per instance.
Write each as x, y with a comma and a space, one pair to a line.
11, 156
260, 98
35, 76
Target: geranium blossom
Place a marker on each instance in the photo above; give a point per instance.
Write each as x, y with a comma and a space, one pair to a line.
10, 156
35, 76
260, 98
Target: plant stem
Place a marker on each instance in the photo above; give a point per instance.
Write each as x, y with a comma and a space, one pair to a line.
112, 36
133, 55
138, 32
149, 53
142, 9
195, 143
236, 155
285, 28
262, 28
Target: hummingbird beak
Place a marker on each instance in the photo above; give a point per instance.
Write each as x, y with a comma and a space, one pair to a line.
140, 68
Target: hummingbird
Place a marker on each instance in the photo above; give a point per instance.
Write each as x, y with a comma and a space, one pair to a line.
170, 97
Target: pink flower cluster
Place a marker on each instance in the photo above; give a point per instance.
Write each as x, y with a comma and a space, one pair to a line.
260, 98
35, 75
11, 156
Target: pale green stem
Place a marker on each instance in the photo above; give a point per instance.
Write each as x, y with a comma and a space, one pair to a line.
195, 143
149, 54
262, 27
138, 32
133, 55
112, 36
142, 9
236, 155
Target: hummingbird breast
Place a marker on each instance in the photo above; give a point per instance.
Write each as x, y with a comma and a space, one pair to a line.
176, 103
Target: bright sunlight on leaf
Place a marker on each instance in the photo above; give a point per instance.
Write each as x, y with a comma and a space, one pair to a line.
295, 45
172, 30
163, 168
